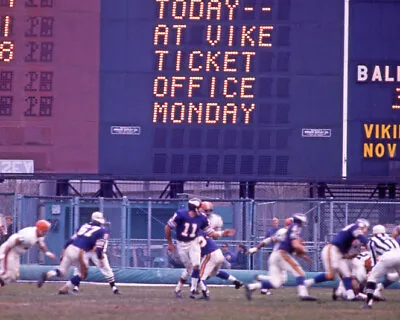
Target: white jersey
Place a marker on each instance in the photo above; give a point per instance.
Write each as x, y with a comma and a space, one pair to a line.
23, 240
215, 221
279, 236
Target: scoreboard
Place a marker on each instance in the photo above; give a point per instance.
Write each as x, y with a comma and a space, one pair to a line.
234, 90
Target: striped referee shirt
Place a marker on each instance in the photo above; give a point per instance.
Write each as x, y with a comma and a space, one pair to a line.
379, 244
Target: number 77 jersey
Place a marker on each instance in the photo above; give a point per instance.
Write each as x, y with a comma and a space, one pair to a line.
187, 227
90, 236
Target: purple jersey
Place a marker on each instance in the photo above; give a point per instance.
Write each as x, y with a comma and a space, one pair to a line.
207, 244
344, 239
90, 236
187, 227
293, 232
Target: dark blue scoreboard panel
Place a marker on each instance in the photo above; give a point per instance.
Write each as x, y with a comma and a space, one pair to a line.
249, 89
221, 89
374, 89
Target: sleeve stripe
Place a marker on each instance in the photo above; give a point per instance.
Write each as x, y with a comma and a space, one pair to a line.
172, 223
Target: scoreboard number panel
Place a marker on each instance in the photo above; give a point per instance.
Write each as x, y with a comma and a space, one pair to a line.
49, 71
222, 89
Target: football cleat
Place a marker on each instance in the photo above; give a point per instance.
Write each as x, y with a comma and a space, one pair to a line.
366, 306
334, 296
63, 292
376, 298
248, 292
192, 294
75, 289
308, 298
116, 291
238, 284
42, 280
178, 294
206, 296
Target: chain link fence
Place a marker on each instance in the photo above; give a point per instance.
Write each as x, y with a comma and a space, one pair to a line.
136, 226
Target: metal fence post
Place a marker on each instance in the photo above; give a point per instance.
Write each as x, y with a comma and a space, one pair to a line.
149, 215
316, 236
14, 212
331, 207
18, 213
101, 204
346, 211
76, 207
124, 208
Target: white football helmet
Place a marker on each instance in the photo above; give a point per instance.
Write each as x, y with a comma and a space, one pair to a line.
300, 218
98, 217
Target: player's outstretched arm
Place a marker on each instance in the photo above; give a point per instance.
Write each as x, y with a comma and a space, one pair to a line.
263, 243
222, 233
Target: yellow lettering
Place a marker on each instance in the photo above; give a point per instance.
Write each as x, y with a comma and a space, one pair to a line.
156, 86
161, 34
385, 131
211, 60
379, 150
368, 128
161, 8
198, 110
210, 33
392, 149
231, 110
157, 109
214, 6
247, 112
246, 36
182, 9
229, 60
175, 84
178, 112
179, 28
265, 32
192, 85
368, 150
212, 113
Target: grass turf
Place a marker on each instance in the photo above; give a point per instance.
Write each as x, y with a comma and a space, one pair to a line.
26, 301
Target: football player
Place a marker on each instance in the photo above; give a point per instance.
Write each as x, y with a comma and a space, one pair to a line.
284, 260
103, 265
91, 236
188, 223
19, 243
276, 238
212, 257
333, 256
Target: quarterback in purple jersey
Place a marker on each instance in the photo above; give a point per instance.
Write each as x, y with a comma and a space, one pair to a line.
188, 223
333, 255
283, 260
91, 236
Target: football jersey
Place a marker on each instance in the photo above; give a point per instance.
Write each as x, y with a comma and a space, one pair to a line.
280, 236
207, 244
90, 236
344, 239
188, 227
26, 237
292, 233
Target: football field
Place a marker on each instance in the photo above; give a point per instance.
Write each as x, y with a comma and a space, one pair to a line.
26, 301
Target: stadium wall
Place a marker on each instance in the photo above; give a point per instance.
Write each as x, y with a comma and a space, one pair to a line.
161, 276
